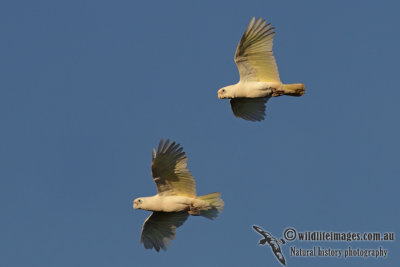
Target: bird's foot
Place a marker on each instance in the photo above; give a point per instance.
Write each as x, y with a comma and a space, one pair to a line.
193, 210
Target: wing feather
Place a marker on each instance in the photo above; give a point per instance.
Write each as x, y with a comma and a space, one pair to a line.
170, 172
251, 109
160, 228
254, 57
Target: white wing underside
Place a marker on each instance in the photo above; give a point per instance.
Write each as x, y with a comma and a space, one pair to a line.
254, 57
251, 109
160, 228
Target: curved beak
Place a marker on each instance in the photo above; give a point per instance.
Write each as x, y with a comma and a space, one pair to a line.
220, 95
135, 205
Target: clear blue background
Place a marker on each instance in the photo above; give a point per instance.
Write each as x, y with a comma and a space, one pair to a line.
88, 88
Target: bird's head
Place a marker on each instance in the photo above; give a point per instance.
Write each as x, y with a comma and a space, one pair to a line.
147, 203
137, 203
225, 92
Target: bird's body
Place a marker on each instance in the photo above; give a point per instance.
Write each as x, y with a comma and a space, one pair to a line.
252, 89
176, 198
173, 203
259, 76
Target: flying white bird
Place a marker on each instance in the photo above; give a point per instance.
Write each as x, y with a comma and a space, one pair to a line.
259, 77
176, 198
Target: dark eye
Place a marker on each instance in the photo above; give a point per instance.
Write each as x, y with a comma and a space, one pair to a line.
139, 201
223, 90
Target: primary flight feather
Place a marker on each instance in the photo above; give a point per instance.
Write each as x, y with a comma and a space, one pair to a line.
176, 198
259, 76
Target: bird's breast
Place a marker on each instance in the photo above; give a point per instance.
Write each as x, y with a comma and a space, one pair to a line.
175, 203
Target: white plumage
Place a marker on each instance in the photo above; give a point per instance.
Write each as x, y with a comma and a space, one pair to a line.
259, 76
176, 198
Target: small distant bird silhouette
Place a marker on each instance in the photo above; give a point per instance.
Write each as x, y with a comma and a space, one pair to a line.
259, 76
272, 242
176, 198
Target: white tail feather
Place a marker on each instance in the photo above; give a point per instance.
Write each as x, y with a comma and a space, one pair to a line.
216, 205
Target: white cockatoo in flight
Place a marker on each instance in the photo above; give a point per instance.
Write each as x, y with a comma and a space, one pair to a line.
259, 77
176, 198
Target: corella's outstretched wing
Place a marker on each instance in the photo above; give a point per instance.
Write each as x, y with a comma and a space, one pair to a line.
160, 228
170, 172
252, 109
254, 57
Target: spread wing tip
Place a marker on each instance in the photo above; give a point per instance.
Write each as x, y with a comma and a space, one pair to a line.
165, 147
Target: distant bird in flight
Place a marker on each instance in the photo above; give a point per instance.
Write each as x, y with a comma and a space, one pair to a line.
259, 77
176, 198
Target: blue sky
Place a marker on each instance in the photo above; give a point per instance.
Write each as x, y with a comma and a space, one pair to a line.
88, 88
